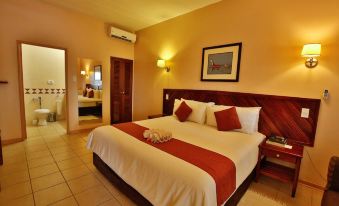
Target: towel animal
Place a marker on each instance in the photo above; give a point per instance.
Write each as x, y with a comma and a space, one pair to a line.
157, 135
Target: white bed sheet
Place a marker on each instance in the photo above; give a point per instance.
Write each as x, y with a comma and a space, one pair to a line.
87, 102
165, 179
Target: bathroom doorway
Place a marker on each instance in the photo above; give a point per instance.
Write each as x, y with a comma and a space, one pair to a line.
43, 90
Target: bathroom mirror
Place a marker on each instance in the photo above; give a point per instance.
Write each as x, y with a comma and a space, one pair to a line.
89, 91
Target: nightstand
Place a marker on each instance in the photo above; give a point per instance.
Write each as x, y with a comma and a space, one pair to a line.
277, 171
156, 116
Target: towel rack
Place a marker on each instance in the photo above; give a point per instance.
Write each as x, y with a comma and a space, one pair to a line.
3, 82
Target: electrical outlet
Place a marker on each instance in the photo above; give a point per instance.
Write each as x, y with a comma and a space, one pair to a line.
305, 112
167, 97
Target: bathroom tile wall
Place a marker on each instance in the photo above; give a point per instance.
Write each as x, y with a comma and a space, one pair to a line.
44, 76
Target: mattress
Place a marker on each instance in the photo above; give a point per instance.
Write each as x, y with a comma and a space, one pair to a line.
164, 179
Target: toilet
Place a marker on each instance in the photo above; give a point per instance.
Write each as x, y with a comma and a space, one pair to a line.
42, 116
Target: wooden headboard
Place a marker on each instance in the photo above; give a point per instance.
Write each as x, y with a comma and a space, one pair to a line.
279, 115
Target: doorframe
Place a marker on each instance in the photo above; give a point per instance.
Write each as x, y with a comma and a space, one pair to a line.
111, 85
21, 85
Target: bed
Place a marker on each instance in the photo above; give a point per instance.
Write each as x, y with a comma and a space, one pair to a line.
148, 161
89, 106
152, 177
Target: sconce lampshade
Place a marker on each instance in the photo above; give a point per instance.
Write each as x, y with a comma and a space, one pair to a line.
311, 50
161, 63
83, 72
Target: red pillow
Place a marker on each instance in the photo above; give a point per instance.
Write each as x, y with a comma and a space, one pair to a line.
91, 93
227, 119
183, 112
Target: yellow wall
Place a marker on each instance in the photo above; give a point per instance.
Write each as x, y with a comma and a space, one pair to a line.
39, 22
272, 33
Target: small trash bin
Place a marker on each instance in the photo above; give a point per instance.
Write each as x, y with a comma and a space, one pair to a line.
51, 117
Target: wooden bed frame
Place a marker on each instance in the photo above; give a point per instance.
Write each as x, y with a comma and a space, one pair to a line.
279, 115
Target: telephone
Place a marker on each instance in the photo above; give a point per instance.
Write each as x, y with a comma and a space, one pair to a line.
278, 139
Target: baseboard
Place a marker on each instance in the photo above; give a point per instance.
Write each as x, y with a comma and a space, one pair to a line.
312, 185
11, 141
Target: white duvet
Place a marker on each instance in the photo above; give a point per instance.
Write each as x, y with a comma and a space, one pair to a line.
164, 179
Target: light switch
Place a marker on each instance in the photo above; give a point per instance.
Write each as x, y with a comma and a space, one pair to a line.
305, 112
167, 97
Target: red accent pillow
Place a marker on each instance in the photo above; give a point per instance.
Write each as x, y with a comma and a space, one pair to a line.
183, 112
227, 119
91, 93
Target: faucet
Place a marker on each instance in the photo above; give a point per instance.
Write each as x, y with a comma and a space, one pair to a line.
39, 101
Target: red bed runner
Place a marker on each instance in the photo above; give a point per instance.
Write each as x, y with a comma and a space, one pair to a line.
221, 168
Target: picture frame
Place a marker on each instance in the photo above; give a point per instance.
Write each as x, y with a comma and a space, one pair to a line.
221, 63
97, 73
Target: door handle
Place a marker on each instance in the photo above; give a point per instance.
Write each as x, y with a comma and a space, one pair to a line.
123, 92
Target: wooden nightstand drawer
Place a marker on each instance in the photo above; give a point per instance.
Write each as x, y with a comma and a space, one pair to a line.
278, 155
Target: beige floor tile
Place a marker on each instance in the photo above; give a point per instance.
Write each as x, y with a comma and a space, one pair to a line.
83, 183
12, 168
111, 202
303, 195
40, 162
64, 156
15, 191
43, 170
88, 158
62, 149
22, 201
264, 189
75, 172
36, 148
39, 154
52, 194
14, 178
34, 141
47, 181
124, 200
69, 163
70, 201
93, 196
82, 151
15, 159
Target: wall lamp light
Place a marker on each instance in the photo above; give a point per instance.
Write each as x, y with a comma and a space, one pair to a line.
310, 52
83, 73
162, 64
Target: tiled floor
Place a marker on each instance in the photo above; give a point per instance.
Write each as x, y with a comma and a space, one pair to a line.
52, 168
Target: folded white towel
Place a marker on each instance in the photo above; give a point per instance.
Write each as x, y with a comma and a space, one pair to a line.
157, 135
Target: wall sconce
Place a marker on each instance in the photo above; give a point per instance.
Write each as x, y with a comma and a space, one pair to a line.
83, 73
162, 64
310, 51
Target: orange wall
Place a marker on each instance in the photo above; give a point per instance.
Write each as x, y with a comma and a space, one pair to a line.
272, 33
38, 22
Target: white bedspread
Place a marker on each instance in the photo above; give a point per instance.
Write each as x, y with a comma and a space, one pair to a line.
164, 179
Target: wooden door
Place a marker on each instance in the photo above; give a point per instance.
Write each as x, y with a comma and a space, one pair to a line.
121, 90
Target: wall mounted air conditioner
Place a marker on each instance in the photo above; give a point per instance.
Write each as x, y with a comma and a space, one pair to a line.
124, 35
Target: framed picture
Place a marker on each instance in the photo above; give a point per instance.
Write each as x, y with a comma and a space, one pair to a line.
97, 73
221, 63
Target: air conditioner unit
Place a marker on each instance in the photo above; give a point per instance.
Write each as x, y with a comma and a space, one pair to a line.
124, 35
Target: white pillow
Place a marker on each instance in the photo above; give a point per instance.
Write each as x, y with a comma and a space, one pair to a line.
198, 114
248, 117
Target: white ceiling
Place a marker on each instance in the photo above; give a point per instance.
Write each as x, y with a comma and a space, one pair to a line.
133, 15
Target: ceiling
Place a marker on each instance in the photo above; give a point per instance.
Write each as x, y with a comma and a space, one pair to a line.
133, 15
